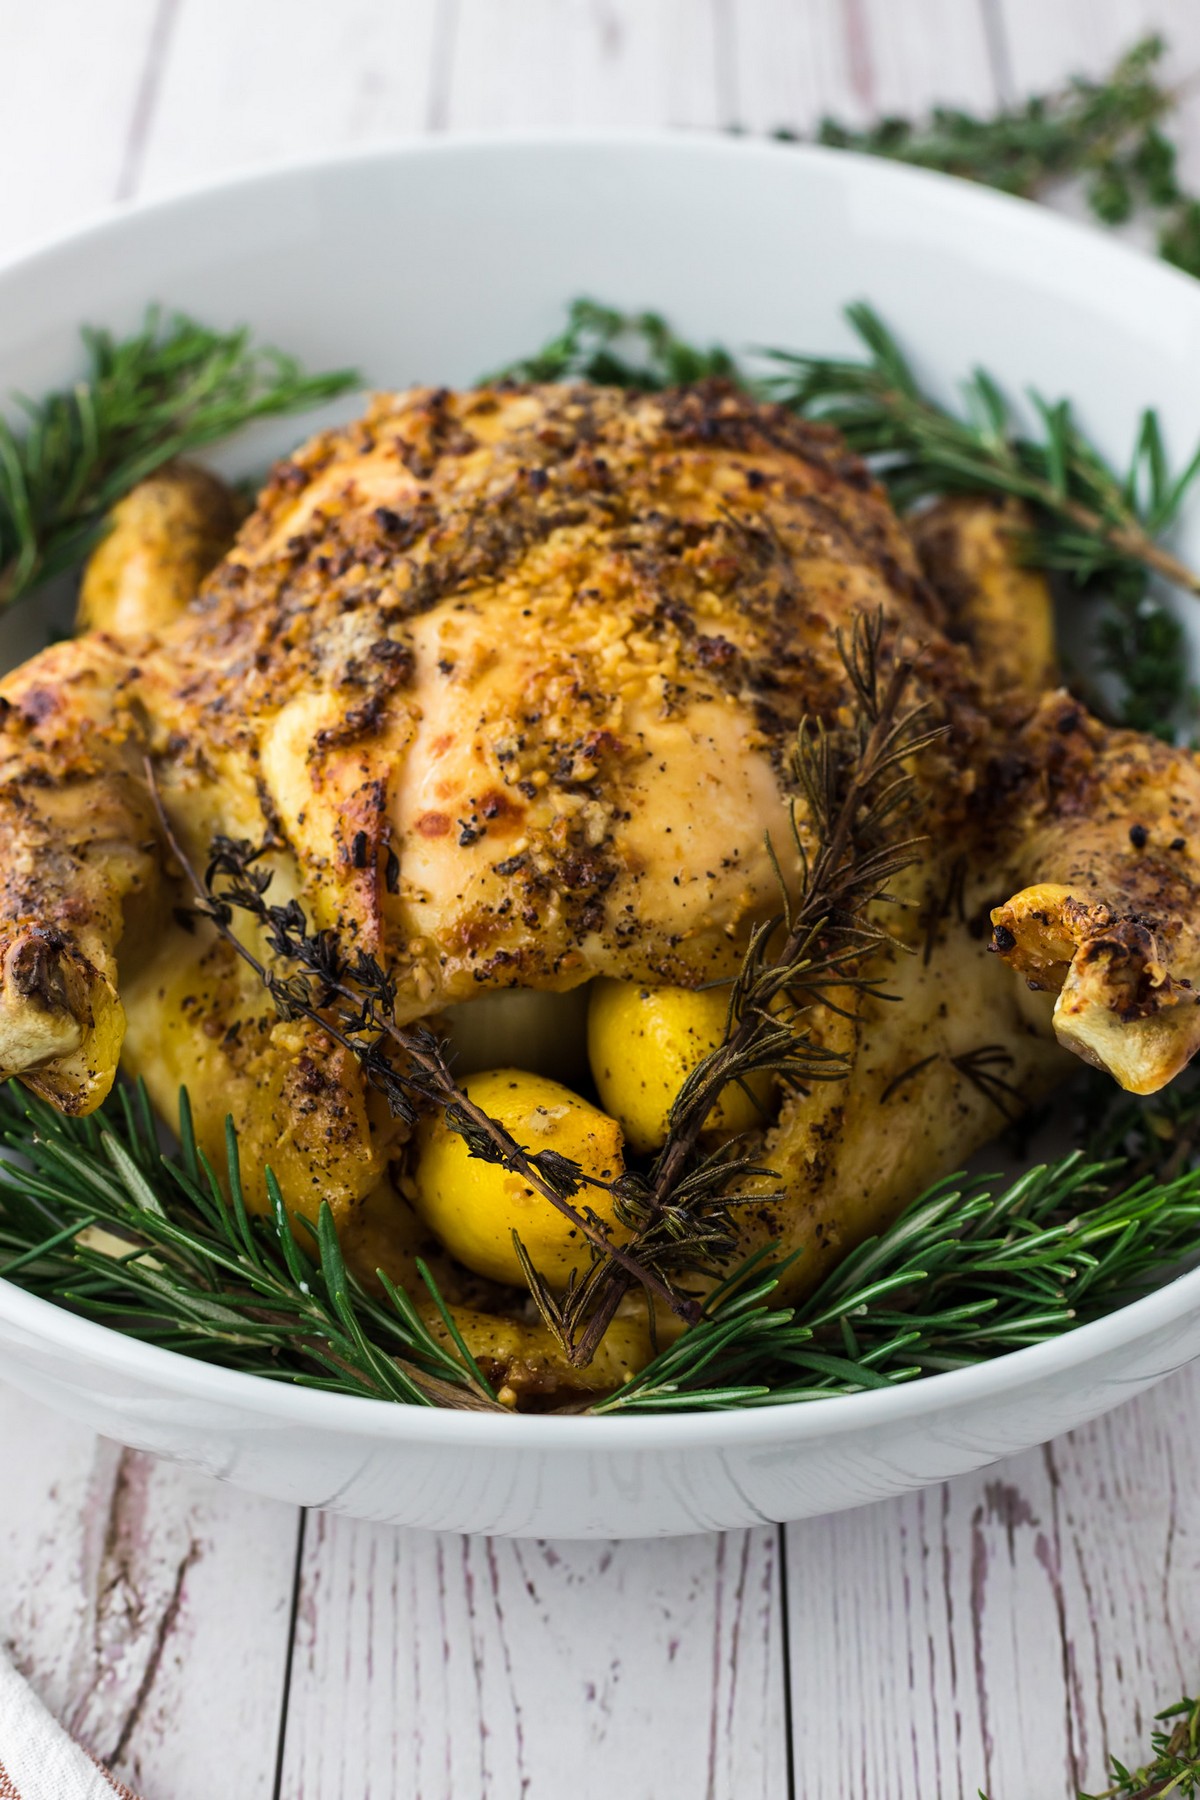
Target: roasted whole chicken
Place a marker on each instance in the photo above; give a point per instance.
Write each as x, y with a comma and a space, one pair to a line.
506, 682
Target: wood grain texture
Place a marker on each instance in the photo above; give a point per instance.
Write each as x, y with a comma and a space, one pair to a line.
148, 1605
69, 104
587, 62
437, 1667
241, 82
1009, 1631
855, 59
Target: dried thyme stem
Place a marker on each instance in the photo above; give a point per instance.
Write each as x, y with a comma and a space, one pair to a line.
438, 1080
843, 879
810, 916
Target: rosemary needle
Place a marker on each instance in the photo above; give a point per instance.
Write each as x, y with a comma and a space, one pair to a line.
171, 389
971, 1269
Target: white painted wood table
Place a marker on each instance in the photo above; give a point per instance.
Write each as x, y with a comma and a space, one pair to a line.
1006, 1631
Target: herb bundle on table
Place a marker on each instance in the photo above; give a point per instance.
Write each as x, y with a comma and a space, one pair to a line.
1108, 134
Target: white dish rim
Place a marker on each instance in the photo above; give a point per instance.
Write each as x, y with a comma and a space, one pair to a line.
792, 1421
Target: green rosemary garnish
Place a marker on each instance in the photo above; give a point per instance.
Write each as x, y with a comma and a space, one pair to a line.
170, 390
1091, 521
1099, 530
616, 349
971, 1269
183, 1264
1107, 134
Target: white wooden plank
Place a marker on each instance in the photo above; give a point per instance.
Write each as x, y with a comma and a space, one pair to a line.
586, 62
1125, 1541
1045, 44
1007, 1632
855, 59
68, 102
256, 81
148, 1605
441, 1666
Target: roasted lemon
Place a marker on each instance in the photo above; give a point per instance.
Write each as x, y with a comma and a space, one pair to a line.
643, 1042
475, 1206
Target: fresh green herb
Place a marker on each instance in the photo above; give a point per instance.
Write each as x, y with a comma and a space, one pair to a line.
1099, 530
1142, 647
170, 390
971, 1269
95, 1217
1107, 134
1174, 1767
615, 349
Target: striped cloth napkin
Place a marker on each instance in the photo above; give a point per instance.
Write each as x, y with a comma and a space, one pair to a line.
38, 1761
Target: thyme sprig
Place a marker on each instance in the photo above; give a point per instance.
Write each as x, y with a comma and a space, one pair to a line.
352, 997
1174, 1767
817, 951
1108, 134
169, 390
95, 1217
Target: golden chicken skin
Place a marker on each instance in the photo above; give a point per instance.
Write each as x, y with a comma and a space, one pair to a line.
506, 682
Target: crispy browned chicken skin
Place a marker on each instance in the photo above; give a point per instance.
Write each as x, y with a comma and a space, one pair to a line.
509, 678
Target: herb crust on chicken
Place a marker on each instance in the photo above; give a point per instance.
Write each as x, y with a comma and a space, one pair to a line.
507, 681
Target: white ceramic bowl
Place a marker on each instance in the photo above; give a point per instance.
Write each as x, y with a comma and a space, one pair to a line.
439, 261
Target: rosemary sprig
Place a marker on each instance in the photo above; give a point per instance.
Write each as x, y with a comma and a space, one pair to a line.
969, 1271
1091, 521
170, 390
182, 1263
1108, 134
1098, 529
